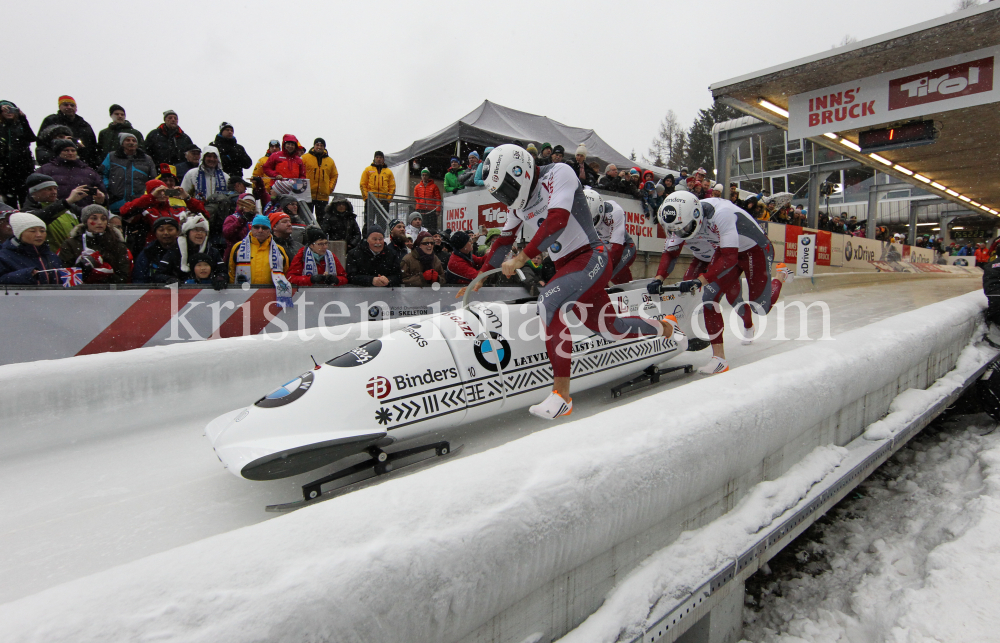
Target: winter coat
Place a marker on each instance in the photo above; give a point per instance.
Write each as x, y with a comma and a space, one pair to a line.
260, 262
378, 180
289, 244
170, 263
363, 266
413, 231
285, 165
43, 146
19, 260
428, 196
144, 211
167, 146
60, 218
234, 228
451, 182
258, 170
111, 245
71, 174
462, 269
147, 264
322, 174
413, 271
90, 151
108, 141
588, 172
298, 264
190, 180
233, 156
125, 176
342, 227
15, 156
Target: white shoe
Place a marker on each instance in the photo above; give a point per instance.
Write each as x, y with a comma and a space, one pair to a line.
785, 275
715, 365
678, 333
748, 334
552, 407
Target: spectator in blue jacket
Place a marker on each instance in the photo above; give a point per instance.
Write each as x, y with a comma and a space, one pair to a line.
479, 168
25, 258
126, 171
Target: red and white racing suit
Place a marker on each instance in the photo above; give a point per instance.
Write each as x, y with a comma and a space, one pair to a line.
728, 245
611, 230
557, 219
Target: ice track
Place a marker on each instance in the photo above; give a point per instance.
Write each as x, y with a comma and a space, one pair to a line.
75, 507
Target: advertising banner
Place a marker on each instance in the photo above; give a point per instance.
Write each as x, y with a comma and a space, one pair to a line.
941, 85
805, 262
823, 248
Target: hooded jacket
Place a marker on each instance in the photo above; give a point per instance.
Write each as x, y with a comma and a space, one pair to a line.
70, 174
167, 146
125, 176
378, 180
287, 166
363, 266
342, 226
16, 163
207, 183
90, 153
43, 148
107, 140
233, 156
19, 260
322, 174
111, 245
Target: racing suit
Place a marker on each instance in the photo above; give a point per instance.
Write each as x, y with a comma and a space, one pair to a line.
611, 230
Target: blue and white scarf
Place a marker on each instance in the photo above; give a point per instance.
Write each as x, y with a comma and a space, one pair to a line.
201, 181
309, 266
282, 287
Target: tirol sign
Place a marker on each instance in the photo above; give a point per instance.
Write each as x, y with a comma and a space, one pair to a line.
941, 85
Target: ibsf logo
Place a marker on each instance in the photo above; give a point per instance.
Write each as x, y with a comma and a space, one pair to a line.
379, 387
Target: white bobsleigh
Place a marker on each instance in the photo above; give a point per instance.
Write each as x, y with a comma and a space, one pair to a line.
447, 369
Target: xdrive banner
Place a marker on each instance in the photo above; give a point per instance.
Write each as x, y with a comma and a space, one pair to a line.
805, 262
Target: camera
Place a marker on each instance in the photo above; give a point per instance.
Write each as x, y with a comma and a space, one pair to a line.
172, 192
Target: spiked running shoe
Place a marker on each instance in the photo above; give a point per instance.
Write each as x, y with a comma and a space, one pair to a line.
784, 274
715, 366
552, 407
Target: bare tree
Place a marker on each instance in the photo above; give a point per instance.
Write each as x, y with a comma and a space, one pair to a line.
666, 150
847, 40
962, 5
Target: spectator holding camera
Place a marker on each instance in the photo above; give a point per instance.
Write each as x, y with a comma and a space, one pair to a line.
167, 143
372, 264
109, 139
237, 225
25, 258
147, 264
176, 264
314, 264
142, 213
421, 267
83, 133
98, 248
15, 156
69, 173
59, 215
126, 170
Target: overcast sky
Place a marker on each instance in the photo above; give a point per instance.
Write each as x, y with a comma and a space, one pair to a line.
377, 75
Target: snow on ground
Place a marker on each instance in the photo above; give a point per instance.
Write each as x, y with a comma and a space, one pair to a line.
914, 557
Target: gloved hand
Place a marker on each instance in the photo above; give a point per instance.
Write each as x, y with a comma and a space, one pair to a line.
318, 279
172, 280
87, 260
654, 287
431, 275
689, 286
331, 280
219, 283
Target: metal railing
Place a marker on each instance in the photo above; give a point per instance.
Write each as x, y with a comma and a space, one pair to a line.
382, 211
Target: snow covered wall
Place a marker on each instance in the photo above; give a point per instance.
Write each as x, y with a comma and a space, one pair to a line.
524, 538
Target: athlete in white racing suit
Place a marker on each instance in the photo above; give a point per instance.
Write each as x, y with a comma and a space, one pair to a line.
551, 206
726, 243
609, 221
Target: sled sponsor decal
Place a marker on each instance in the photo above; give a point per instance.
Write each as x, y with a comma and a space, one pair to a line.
358, 356
379, 387
492, 350
287, 393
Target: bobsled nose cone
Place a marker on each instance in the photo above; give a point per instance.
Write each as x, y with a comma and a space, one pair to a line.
306, 458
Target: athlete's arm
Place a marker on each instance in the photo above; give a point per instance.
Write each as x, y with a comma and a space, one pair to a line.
501, 246
671, 250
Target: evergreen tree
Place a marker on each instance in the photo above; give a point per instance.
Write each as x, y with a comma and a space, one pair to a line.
699, 151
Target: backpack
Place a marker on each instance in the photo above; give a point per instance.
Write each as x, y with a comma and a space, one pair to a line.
219, 206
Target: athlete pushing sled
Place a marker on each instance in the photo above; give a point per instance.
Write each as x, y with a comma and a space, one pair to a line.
551, 204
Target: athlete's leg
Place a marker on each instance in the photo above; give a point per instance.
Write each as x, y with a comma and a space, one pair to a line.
622, 272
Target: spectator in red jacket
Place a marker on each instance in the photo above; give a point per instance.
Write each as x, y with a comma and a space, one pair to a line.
314, 264
427, 194
154, 204
237, 225
287, 163
463, 266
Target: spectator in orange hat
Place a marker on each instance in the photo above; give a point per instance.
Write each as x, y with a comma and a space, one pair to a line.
83, 133
281, 231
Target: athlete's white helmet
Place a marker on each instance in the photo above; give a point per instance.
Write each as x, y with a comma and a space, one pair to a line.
507, 173
596, 203
680, 214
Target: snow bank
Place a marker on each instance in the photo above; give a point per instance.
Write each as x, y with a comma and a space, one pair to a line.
431, 557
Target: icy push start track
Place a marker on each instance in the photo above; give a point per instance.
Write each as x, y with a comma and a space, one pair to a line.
81, 496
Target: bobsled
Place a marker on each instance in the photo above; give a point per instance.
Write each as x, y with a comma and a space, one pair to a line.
445, 370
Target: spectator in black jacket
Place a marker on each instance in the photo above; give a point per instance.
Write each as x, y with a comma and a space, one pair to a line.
15, 156
46, 137
86, 140
177, 263
583, 171
397, 238
147, 264
234, 158
166, 143
109, 138
341, 224
544, 155
372, 264
192, 159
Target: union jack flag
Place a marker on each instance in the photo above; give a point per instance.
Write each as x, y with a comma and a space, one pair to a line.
71, 277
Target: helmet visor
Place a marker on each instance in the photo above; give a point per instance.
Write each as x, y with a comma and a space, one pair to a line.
508, 190
688, 230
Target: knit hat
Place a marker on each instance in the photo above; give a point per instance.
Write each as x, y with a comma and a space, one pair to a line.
314, 234
393, 224
125, 135
473, 154
275, 217
414, 215
162, 221
558, 149
152, 184
168, 113
531, 148
21, 221
282, 187
544, 147
455, 159
424, 171
718, 186
421, 237
115, 108
373, 228
60, 144
92, 209
378, 153
320, 140
200, 257
194, 221
224, 126
260, 219
36, 182
634, 171
582, 149
66, 99
700, 170
459, 239
246, 196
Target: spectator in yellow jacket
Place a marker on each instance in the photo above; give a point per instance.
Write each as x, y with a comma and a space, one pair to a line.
252, 257
322, 174
378, 179
258, 170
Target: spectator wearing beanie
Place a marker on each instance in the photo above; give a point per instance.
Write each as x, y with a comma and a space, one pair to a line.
69, 173
176, 266
372, 264
98, 247
341, 224
468, 177
479, 168
126, 170
142, 213
427, 194
232, 155
583, 172
557, 154
60, 215
415, 225
201, 271
322, 174
109, 138
421, 267
237, 225
286, 163
25, 258
463, 266
90, 152
281, 232
16, 163
258, 170
256, 266
314, 264
167, 143
397, 238
451, 183
544, 155
147, 263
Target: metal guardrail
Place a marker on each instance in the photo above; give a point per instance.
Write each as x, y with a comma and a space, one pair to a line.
381, 211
